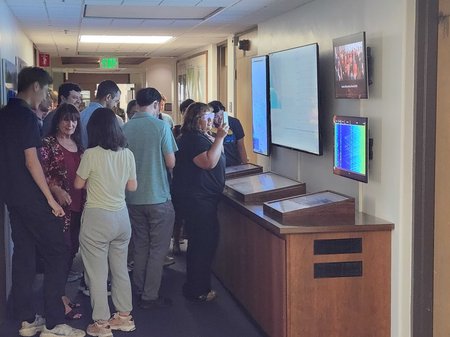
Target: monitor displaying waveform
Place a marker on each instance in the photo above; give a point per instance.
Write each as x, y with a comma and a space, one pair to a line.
351, 153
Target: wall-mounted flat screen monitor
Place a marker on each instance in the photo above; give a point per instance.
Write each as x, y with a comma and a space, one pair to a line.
351, 147
260, 105
350, 66
294, 99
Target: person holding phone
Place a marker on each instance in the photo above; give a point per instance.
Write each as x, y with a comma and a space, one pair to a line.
198, 183
233, 144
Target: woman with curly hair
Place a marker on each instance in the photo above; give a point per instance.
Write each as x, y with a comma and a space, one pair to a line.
198, 182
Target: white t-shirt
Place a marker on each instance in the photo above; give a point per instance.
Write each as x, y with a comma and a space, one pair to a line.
107, 173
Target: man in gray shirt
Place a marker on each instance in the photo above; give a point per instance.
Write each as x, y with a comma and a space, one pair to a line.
150, 207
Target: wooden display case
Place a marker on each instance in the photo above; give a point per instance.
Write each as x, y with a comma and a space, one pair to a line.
306, 281
263, 187
314, 209
242, 170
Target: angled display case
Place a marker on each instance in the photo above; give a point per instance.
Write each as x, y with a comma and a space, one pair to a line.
263, 187
314, 209
242, 170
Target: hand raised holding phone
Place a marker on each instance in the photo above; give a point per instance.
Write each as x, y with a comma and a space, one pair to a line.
225, 118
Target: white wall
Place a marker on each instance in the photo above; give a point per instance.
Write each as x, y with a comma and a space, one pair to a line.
160, 73
13, 42
389, 27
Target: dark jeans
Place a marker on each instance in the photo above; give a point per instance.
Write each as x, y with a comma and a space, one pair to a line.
72, 237
34, 227
203, 228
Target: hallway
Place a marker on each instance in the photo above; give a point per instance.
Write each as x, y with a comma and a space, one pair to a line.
222, 318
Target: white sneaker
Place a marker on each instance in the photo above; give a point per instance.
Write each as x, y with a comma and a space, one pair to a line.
99, 329
62, 330
122, 323
30, 329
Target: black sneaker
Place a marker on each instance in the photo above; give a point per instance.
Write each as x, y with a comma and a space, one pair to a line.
208, 297
168, 261
160, 302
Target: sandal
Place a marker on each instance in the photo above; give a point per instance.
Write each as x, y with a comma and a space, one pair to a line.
73, 315
74, 305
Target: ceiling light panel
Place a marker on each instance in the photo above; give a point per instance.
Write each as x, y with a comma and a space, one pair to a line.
149, 12
123, 39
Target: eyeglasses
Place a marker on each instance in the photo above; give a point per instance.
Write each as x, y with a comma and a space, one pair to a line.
208, 116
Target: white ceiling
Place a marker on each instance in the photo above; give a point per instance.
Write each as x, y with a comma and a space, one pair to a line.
55, 26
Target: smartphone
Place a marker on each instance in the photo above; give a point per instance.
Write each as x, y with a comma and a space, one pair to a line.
225, 118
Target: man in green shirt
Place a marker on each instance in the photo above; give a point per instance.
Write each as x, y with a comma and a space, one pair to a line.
150, 207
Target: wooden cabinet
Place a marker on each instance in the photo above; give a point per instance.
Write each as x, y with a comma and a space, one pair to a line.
250, 264
307, 281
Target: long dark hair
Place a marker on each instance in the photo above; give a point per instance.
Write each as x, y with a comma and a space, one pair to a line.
104, 130
67, 112
192, 115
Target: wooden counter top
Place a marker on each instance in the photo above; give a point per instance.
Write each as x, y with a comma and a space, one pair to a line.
363, 221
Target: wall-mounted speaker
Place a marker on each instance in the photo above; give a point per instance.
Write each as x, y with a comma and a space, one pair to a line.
244, 44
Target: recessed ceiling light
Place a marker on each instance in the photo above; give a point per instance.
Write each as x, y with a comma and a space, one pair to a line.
123, 39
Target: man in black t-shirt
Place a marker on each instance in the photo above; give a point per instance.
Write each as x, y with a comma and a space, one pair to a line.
233, 144
35, 216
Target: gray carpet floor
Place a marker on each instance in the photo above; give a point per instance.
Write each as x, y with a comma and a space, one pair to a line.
221, 318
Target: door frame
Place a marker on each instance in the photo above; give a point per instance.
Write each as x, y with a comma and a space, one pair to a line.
424, 167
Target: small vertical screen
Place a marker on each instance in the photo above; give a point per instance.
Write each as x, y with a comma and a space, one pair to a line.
260, 105
350, 66
351, 147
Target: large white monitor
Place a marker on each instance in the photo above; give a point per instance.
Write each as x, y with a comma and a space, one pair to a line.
294, 99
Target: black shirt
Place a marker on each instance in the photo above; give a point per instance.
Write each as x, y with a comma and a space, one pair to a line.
235, 132
19, 131
188, 178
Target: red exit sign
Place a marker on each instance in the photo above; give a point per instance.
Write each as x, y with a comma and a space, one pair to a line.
44, 60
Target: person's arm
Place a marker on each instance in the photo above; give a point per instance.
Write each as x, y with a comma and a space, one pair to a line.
132, 181
79, 182
131, 185
62, 197
169, 159
51, 166
34, 167
208, 160
241, 150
